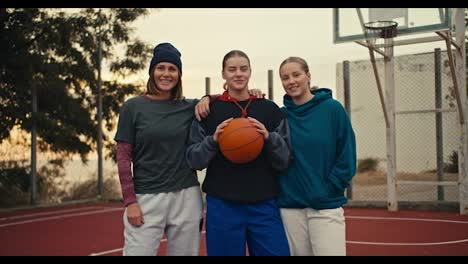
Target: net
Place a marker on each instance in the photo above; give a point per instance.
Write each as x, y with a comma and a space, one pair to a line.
378, 33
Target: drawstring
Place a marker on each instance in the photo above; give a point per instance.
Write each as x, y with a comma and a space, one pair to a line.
227, 98
244, 110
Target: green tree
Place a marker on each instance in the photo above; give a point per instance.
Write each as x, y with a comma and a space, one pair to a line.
57, 52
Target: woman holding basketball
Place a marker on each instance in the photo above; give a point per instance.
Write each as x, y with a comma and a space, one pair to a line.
324, 151
241, 209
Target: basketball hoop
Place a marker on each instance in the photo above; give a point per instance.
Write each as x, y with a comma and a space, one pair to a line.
378, 33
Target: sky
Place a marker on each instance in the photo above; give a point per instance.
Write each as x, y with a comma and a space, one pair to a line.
267, 35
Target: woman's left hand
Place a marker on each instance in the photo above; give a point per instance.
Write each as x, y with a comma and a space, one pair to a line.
260, 127
202, 109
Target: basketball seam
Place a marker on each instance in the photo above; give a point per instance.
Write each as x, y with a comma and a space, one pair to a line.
236, 148
230, 132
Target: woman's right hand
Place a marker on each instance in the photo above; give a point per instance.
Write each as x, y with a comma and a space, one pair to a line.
135, 215
220, 128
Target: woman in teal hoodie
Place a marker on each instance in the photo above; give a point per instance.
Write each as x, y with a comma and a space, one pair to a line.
322, 165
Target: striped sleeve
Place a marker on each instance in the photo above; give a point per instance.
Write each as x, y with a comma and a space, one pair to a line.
124, 159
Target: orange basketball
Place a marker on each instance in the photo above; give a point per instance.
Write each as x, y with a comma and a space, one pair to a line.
240, 142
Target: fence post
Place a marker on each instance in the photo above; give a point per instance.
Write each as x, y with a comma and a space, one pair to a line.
99, 129
438, 120
33, 175
347, 105
207, 85
270, 84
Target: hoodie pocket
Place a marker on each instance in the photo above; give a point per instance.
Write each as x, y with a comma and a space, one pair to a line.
333, 189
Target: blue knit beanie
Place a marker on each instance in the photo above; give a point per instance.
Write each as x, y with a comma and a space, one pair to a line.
165, 52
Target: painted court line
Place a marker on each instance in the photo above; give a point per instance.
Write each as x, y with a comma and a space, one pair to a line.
49, 213
408, 244
408, 219
62, 216
120, 249
348, 242
365, 242
106, 252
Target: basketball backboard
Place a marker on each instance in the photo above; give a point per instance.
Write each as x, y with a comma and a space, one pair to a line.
348, 22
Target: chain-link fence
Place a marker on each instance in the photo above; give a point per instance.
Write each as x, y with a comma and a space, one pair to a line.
426, 140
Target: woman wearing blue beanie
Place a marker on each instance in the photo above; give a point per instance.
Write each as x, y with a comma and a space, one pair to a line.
161, 194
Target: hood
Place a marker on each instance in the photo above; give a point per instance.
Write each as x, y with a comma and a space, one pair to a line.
227, 98
320, 95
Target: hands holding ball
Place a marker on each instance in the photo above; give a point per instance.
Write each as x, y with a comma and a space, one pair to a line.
241, 139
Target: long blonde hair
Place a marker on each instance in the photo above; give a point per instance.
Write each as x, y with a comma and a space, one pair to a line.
301, 62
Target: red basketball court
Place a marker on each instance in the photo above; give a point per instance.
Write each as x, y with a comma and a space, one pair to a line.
97, 229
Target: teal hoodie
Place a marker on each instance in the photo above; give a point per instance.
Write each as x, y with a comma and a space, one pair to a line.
323, 153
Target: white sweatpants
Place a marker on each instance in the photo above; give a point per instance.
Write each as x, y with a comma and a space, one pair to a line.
178, 214
315, 232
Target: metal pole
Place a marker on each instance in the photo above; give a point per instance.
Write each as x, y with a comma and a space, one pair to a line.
347, 105
448, 43
33, 176
460, 57
270, 84
99, 99
438, 119
207, 86
389, 65
379, 86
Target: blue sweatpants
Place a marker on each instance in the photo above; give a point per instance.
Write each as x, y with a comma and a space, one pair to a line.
231, 226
